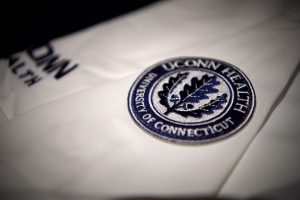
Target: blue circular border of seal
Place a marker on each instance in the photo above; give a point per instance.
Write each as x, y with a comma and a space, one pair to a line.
243, 119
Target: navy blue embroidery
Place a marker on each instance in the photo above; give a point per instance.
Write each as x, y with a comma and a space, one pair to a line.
214, 104
192, 100
193, 93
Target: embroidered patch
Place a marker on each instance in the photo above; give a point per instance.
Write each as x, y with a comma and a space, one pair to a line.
192, 99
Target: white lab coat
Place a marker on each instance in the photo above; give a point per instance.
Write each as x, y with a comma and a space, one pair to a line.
73, 137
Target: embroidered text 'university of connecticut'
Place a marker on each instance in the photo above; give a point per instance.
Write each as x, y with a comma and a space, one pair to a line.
192, 100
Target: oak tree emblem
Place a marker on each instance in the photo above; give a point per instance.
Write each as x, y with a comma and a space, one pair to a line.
185, 103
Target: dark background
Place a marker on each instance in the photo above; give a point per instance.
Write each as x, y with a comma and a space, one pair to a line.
25, 24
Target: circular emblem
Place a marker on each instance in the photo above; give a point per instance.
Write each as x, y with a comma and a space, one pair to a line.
192, 99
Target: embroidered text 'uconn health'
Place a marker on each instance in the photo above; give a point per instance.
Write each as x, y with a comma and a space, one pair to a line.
192, 99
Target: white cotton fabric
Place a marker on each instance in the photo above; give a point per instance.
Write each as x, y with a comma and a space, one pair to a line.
270, 167
74, 138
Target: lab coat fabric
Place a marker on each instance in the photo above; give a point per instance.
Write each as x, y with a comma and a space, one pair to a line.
69, 134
